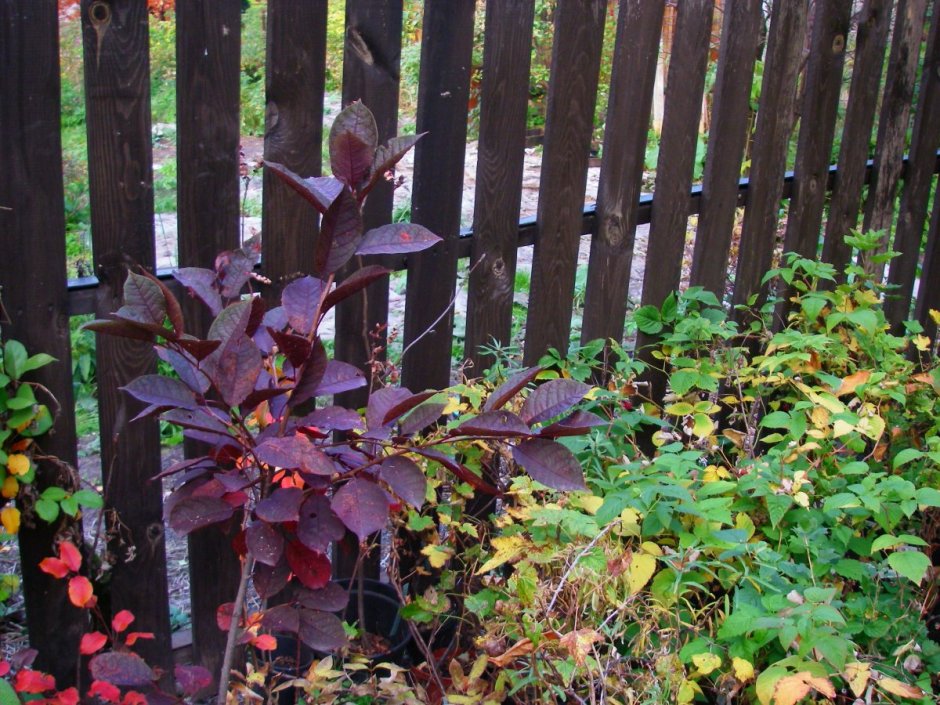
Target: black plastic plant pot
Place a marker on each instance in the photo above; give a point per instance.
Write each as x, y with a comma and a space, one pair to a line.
382, 618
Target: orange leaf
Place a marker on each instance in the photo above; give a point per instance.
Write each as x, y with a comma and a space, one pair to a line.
132, 637
91, 643
852, 381
80, 591
70, 556
896, 687
521, 648
54, 567
265, 642
122, 620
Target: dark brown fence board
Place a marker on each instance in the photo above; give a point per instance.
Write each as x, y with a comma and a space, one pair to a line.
633, 74
928, 296
32, 277
500, 159
444, 87
120, 170
207, 100
727, 139
821, 87
912, 211
894, 120
569, 122
870, 43
774, 122
294, 87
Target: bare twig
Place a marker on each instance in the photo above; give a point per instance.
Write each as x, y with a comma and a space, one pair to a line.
232, 637
577, 559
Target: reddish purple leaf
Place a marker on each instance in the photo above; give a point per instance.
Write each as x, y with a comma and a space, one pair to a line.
300, 300
294, 452
234, 268
353, 141
380, 402
198, 419
340, 234
281, 505
231, 322
388, 155
235, 371
550, 463
311, 375
121, 668
396, 238
421, 418
185, 366
317, 525
275, 318
312, 568
161, 392
494, 423
508, 389
322, 631
396, 411
295, 347
575, 424
405, 478
340, 377
201, 283
264, 542
461, 471
199, 349
333, 418
331, 598
355, 282
320, 191
362, 506
281, 618
553, 398
143, 301
270, 581
191, 679
193, 513
120, 329
173, 310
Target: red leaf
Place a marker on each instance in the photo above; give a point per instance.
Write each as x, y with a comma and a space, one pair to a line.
461, 471
223, 615
294, 452
54, 567
81, 592
105, 691
30, 681
264, 642
576, 424
550, 463
120, 329
121, 668
192, 679
307, 381
132, 637
331, 598
421, 418
312, 568
340, 377
362, 506
396, 238
92, 643
69, 696
161, 392
281, 618
4, 668
194, 513
387, 156
508, 389
173, 310
132, 697
143, 301
295, 347
553, 398
70, 555
399, 409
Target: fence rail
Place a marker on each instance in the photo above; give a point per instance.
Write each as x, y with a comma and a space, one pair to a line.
40, 300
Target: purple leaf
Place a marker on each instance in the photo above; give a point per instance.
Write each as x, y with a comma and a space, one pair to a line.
340, 377
330, 598
198, 419
193, 513
234, 268
320, 191
494, 423
143, 301
311, 375
269, 581
264, 542
185, 367
318, 526
281, 618
353, 140
553, 398
122, 668
402, 407
161, 392
405, 478
231, 322
396, 238
275, 318
259, 395
576, 424
322, 631
120, 329
281, 505
199, 349
311, 568
173, 310
333, 418
461, 471
508, 389
421, 418
380, 401
357, 281
300, 299
191, 679
201, 283
235, 371
340, 234
362, 506
550, 463
388, 155
294, 452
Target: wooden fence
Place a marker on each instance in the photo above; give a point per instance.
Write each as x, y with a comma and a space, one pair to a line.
804, 70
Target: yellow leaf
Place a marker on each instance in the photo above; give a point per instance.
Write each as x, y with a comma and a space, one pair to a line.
641, 570
453, 405
791, 689
588, 502
713, 473
852, 381
706, 663
743, 669
687, 691
521, 648
743, 521
10, 488
437, 555
506, 548
820, 417
856, 675
10, 518
579, 642
921, 342
18, 464
840, 428
651, 548
871, 426
935, 316
629, 523
896, 687
802, 499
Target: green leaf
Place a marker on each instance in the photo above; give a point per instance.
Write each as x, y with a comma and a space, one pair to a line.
89, 499
54, 494
47, 510
682, 381
7, 694
887, 541
777, 506
648, 320
37, 361
69, 506
776, 419
928, 496
482, 603
906, 456
669, 308
14, 358
913, 565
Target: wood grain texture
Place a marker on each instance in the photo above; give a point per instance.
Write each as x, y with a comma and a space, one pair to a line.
821, 88
636, 51
871, 41
500, 161
912, 210
293, 136
207, 98
444, 87
928, 295
727, 138
115, 37
569, 122
33, 288
894, 120
774, 122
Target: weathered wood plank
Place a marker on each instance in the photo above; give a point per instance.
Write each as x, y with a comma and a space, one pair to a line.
507, 50
636, 51
894, 120
120, 171
821, 87
912, 211
928, 296
207, 99
774, 122
34, 294
727, 139
295, 81
444, 87
572, 91
870, 43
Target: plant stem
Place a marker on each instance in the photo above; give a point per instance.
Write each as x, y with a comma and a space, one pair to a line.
233, 629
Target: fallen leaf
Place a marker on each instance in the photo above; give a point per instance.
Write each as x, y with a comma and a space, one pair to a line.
524, 647
579, 643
